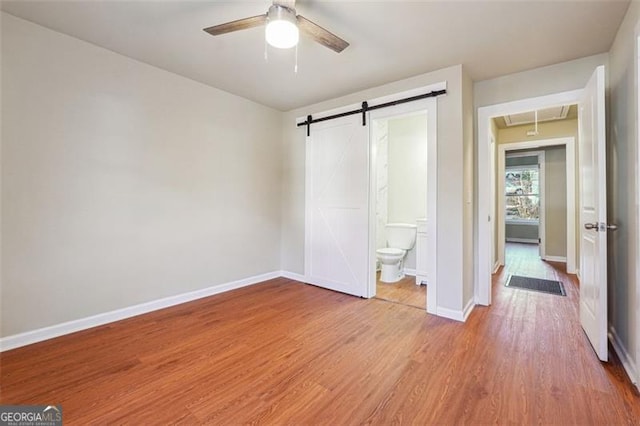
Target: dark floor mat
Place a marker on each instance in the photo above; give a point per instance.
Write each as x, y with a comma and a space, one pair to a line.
536, 284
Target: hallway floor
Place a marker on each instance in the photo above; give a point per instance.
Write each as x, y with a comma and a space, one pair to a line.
524, 259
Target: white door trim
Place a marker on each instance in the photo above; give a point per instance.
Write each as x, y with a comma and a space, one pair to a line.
569, 144
428, 106
492, 191
636, 379
485, 233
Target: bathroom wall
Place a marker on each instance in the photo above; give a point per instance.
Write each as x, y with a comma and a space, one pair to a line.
407, 172
407, 168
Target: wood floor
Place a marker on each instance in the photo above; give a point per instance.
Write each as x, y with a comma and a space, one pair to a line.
405, 292
283, 352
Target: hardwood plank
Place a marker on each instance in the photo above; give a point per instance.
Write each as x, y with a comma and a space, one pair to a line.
405, 292
282, 352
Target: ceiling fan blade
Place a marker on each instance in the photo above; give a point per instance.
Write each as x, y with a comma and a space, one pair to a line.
321, 35
240, 24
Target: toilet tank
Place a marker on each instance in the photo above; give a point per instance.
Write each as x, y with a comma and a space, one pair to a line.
401, 235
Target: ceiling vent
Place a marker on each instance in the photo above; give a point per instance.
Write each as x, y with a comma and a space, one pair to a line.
547, 114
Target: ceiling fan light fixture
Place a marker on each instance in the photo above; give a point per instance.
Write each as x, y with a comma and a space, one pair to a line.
282, 27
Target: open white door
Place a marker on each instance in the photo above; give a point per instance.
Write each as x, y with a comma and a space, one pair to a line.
593, 214
337, 210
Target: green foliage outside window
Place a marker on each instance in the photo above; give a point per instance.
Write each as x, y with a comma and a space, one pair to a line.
522, 194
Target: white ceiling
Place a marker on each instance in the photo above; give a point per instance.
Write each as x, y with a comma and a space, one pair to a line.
390, 40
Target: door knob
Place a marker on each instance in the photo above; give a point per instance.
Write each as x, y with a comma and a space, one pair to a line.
600, 226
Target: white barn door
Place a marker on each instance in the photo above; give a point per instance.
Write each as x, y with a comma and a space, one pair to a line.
593, 214
337, 210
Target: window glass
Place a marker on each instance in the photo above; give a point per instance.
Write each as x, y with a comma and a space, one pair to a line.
522, 186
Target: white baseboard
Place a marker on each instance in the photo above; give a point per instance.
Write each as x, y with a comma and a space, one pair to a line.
625, 358
293, 276
411, 272
556, 259
46, 333
450, 313
455, 314
496, 266
468, 309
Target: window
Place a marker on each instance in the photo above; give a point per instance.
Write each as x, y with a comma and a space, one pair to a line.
522, 187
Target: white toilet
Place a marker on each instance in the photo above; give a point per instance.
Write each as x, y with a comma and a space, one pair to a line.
401, 237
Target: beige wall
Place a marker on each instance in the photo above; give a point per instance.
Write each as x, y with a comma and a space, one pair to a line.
555, 201
468, 186
622, 188
123, 183
452, 129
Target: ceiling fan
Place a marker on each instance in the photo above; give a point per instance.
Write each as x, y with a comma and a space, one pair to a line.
283, 27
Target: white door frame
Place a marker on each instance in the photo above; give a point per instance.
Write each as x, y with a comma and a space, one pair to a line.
637, 200
636, 370
428, 107
492, 191
569, 144
485, 221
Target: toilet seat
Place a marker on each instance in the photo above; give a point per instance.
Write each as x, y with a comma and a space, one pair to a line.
391, 251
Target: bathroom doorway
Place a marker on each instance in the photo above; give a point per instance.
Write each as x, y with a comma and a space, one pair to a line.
400, 189
341, 189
